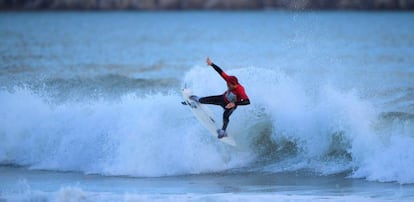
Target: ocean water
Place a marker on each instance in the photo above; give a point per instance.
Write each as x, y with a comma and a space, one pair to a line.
90, 106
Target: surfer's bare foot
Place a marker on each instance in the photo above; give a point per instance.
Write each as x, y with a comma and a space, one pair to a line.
221, 133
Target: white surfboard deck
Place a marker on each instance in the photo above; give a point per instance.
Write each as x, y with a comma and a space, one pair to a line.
205, 116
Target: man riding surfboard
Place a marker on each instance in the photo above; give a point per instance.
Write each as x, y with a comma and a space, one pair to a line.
234, 96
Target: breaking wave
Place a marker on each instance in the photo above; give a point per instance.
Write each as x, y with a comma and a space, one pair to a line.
289, 126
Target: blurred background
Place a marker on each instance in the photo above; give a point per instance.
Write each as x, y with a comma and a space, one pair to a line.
208, 4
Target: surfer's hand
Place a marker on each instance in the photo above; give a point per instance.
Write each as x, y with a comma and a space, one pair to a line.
209, 61
230, 105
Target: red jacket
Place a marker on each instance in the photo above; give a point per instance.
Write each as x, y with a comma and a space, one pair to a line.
237, 95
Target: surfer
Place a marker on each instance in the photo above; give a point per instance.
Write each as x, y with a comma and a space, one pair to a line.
234, 95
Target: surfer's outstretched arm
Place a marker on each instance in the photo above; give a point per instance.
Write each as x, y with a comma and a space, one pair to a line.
218, 69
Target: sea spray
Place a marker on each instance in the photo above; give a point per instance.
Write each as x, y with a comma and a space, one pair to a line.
289, 126
320, 128
152, 135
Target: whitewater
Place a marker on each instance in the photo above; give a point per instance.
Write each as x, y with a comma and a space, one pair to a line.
94, 98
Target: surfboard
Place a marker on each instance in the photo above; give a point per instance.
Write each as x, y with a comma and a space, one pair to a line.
205, 116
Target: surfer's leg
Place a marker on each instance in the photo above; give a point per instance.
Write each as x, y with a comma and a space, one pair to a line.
215, 100
226, 117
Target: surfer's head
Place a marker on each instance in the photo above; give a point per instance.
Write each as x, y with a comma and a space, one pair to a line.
232, 82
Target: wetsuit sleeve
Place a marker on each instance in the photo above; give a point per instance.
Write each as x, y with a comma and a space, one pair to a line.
217, 68
220, 71
243, 99
243, 102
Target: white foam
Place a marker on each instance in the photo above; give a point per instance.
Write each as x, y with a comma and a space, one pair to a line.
77, 194
153, 135
312, 117
141, 136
